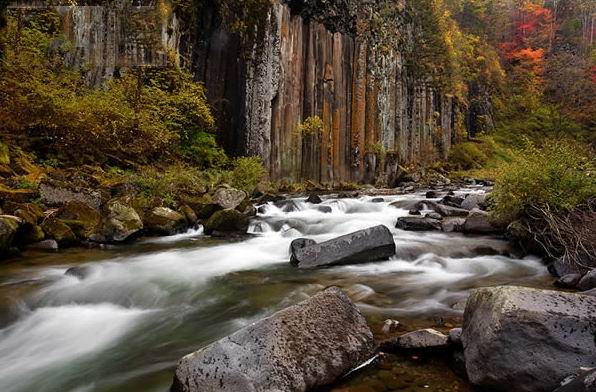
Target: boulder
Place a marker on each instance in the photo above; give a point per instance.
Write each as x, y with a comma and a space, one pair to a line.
227, 198
299, 244
121, 222
226, 222
203, 206
189, 214
325, 209
59, 231
80, 217
45, 245
8, 229
164, 221
585, 382
569, 281
313, 198
432, 194
414, 223
561, 267
588, 281
452, 201
269, 198
445, 210
474, 200
287, 205
528, 338
478, 223
414, 212
372, 244
423, 338
300, 348
406, 204
434, 215
56, 196
451, 225
377, 200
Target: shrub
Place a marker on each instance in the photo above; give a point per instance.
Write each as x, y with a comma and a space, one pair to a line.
467, 156
246, 173
311, 125
558, 176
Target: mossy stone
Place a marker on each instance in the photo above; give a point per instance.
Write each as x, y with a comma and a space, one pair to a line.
59, 231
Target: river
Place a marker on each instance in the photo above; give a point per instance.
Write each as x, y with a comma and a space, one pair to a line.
135, 309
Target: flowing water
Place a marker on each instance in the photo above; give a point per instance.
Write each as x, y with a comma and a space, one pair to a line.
134, 310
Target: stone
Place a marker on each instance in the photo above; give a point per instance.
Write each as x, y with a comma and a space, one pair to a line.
390, 326
413, 223
423, 338
300, 348
325, 209
455, 337
121, 223
588, 281
406, 204
56, 196
569, 281
80, 217
478, 223
474, 200
445, 210
79, 271
434, 215
527, 337
59, 231
313, 198
8, 230
164, 221
269, 198
560, 267
189, 214
414, 212
226, 222
203, 206
45, 245
299, 243
452, 201
377, 200
591, 292
363, 246
227, 198
287, 205
432, 194
453, 225
585, 382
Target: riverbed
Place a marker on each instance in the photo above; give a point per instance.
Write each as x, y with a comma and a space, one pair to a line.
131, 311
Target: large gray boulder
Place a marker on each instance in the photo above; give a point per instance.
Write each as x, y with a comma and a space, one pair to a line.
164, 221
226, 223
588, 281
474, 200
8, 229
299, 348
120, 223
527, 338
478, 222
363, 246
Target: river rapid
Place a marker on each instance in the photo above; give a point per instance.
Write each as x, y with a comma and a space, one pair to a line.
135, 309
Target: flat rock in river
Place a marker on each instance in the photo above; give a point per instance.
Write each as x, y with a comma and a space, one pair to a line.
527, 338
372, 244
300, 348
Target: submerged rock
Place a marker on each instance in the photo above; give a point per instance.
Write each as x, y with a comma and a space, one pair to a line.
527, 338
372, 244
423, 338
414, 223
226, 222
300, 348
568, 281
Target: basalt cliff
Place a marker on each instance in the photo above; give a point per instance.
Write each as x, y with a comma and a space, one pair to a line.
349, 64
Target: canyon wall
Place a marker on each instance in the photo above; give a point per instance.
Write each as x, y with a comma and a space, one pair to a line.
375, 115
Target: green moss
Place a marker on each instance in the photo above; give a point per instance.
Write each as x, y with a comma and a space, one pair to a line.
4, 154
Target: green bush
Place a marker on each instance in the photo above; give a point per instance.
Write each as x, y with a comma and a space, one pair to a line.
558, 175
467, 156
311, 125
246, 173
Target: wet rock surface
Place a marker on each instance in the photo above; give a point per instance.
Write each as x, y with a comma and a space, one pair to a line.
527, 337
296, 349
413, 223
421, 339
372, 244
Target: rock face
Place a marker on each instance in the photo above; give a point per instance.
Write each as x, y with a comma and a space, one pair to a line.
55, 196
372, 244
527, 338
296, 349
